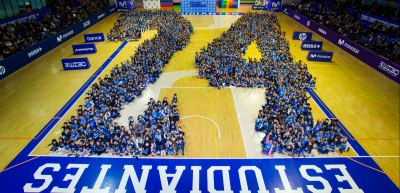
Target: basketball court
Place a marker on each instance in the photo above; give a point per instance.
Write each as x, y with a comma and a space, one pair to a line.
218, 123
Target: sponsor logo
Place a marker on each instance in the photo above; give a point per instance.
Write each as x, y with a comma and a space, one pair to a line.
285, 11
61, 37
297, 17
83, 49
122, 4
74, 64
86, 23
314, 46
322, 31
94, 38
100, 16
2, 70
112, 10
303, 36
308, 23
388, 68
319, 56
346, 45
276, 4
34, 52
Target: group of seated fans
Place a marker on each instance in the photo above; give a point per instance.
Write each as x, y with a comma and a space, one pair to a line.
377, 36
130, 25
286, 118
154, 133
15, 37
126, 82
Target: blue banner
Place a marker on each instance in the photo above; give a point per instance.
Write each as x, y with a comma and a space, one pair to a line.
37, 15
24, 57
368, 19
75, 63
97, 37
84, 49
125, 5
276, 5
302, 35
198, 7
102, 174
311, 45
319, 56
382, 65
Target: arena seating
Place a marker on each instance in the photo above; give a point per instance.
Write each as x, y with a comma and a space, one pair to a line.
19, 36
377, 37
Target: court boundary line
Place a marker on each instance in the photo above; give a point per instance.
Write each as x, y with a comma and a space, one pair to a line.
204, 117
240, 123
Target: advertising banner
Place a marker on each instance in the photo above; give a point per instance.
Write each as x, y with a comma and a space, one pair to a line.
302, 35
383, 65
276, 5
24, 57
368, 19
107, 175
311, 45
198, 7
319, 56
75, 63
37, 15
84, 49
125, 5
97, 37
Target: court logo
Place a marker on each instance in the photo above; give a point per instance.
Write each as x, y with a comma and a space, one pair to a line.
388, 68
276, 4
75, 64
348, 46
323, 31
34, 52
2, 70
341, 42
308, 23
285, 11
86, 23
303, 36
100, 16
122, 4
59, 38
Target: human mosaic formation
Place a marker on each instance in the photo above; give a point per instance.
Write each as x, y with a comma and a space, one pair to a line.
94, 129
286, 118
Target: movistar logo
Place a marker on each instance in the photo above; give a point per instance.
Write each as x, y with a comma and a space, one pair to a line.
313, 55
276, 4
122, 4
341, 42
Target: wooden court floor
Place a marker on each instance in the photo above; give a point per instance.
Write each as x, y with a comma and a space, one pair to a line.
366, 102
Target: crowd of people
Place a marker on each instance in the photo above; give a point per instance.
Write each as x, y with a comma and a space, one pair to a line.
286, 118
378, 37
95, 119
155, 133
16, 37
